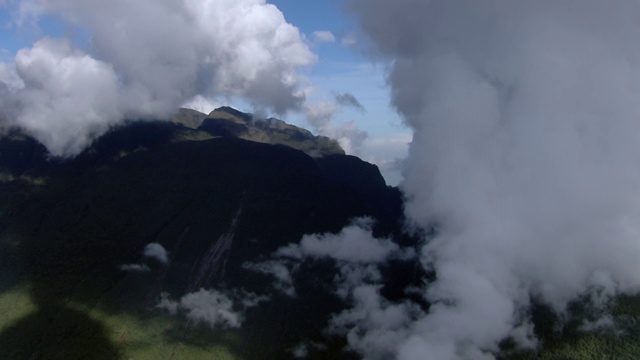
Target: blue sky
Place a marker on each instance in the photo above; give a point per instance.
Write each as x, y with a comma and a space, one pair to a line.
340, 68
343, 68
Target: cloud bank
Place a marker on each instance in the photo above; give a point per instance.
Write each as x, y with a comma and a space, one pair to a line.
524, 155
144, 60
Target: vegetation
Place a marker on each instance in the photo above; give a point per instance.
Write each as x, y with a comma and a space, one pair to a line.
571, 342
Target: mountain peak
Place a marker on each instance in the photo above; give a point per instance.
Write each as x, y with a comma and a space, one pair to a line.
226, 121
228, 112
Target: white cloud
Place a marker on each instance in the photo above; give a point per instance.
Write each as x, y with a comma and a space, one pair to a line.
9, 77
156, 251
524, 116
373, 325
324, 36
136, 69
67, 98
353, 244
204, 306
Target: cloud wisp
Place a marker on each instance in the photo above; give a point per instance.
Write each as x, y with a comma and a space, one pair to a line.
347, 99
324, 36
371, 323
65, 94
321, 115
212, 307
525, 120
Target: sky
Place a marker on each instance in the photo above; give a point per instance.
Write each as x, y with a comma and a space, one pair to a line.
345, 89
344, 66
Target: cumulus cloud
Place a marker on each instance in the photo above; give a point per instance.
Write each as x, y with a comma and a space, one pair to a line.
213, 307
324, 36
525, 133
131, 68
353, 244
356, 251
9, 77
204, 306
156, 251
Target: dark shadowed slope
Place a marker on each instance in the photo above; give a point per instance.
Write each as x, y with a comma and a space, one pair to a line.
65, 227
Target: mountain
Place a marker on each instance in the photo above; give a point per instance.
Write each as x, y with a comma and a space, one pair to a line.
82, 241
226, 121
217, 194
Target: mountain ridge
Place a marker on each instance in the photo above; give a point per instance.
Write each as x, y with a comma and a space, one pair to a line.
227, 121
68, 225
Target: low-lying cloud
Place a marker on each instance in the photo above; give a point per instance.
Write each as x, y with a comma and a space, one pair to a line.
204, 306
353, 244
370, 323
212, 307
157, 252
525, 119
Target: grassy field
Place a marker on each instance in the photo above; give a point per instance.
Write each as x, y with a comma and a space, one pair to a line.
72, 330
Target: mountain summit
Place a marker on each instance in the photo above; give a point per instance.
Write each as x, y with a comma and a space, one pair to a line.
227, 121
